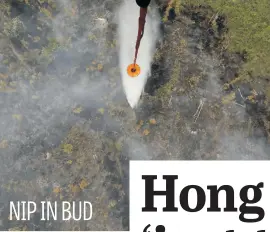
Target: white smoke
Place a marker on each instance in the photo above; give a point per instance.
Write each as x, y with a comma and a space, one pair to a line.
128, 16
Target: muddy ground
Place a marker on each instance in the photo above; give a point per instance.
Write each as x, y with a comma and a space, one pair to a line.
66, 129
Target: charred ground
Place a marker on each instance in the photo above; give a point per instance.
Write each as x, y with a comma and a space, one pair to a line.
67, 132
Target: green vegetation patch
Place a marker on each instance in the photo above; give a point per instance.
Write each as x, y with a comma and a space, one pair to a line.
249, 30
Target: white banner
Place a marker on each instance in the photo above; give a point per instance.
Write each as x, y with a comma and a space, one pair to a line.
194, 196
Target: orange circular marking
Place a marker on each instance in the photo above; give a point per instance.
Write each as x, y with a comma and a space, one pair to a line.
133, 70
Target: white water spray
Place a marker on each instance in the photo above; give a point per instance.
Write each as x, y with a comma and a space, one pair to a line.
128, 16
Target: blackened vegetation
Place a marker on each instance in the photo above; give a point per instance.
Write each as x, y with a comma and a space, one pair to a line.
159, 72
171, 14
159, 77
214, 31
212, 25
255, 108
18, 8
209, 29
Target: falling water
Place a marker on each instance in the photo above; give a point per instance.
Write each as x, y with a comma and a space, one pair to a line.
128, 16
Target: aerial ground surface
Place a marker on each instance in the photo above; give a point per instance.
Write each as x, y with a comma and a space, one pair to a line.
66, 129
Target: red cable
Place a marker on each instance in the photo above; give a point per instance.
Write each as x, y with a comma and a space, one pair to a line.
143, 12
